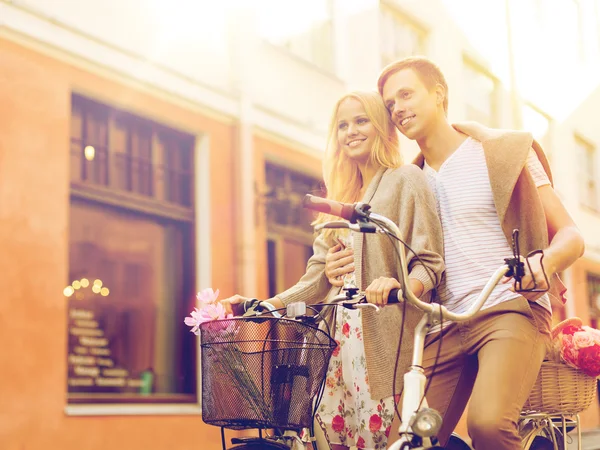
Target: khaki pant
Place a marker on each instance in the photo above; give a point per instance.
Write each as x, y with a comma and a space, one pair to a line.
493, 359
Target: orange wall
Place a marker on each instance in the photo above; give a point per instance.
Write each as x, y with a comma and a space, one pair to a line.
264, 150
34, 204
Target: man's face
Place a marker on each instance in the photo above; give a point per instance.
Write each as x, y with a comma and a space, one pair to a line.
412, 106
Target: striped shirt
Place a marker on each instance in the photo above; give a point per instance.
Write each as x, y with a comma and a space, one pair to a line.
474, 243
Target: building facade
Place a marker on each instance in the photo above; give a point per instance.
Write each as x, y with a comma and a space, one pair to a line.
148, 152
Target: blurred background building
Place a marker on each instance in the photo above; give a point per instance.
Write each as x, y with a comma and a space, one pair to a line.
149, 149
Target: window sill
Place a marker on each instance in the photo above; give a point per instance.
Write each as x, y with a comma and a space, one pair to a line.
133, 410
128, 200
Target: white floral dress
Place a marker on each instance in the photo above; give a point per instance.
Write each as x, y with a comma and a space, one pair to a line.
347, 413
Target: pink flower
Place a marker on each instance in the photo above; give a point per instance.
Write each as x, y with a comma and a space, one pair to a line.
582, 339
207, 296
209, 312
589, 360
595, 333
387, 431
346, 329
360, 443
337, 424
568, 351
375, 423
336, 351
571, 329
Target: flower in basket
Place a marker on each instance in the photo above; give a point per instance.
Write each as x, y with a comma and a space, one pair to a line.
210, 309
578, 346
227, 361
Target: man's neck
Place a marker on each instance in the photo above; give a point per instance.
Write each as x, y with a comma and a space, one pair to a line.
439, 143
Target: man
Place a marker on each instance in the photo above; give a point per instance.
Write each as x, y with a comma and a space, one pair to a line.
487, 183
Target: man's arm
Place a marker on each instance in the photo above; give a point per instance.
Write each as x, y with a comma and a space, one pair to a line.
566, 242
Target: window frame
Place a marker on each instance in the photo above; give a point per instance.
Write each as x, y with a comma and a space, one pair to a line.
470, 63
404, 20
200, 271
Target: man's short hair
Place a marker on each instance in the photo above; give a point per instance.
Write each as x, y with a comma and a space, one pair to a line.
429, 73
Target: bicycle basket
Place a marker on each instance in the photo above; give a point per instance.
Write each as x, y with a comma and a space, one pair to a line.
561, 389
262, 372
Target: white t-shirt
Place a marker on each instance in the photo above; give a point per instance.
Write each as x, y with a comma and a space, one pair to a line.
474, 243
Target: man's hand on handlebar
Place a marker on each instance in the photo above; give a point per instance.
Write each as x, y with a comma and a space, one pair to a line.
338, 263
536, 273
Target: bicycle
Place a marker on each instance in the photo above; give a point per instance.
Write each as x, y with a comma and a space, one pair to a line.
539, 429
423, 423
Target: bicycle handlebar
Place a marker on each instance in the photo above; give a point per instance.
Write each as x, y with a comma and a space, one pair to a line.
361, 212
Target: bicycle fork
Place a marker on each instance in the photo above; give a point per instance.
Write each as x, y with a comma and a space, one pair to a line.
419, 420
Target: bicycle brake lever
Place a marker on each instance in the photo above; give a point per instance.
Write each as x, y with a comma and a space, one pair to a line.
358, 303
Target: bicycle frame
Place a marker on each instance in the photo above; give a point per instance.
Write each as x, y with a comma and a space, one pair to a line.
413, 401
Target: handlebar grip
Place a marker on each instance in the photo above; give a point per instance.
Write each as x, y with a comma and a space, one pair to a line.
393, 295
343, 210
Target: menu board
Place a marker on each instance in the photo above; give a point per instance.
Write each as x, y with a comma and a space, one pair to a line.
92, 368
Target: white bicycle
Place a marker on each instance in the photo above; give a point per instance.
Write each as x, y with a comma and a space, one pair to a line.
420, 423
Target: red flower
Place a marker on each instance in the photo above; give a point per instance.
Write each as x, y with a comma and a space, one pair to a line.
571, 329
589, 360
387, 431
379, 408
336, 351
337, 423
360, 443
375, 423
346, 329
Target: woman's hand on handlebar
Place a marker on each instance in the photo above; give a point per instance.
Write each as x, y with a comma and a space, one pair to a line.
378, 291
234, 305
338, 263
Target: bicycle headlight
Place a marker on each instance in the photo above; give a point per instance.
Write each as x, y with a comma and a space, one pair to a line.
426, 423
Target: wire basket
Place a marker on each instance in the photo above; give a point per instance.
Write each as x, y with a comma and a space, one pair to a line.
262, 372
561, 389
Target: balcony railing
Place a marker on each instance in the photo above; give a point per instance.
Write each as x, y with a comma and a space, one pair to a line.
126, 173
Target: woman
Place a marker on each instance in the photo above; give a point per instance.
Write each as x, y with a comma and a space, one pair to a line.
362, 163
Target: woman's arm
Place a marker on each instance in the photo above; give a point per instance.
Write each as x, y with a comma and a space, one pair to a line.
421, 228
312, 287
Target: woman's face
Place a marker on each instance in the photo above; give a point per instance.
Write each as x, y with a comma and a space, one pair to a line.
355, 131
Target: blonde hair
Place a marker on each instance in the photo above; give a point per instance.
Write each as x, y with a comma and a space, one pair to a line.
341, 174
427, 71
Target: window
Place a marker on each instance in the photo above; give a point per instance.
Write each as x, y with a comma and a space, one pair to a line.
117, 152
304, 28
593, 284
539, 124
480, 94
588, 173
131, 275
400, 36
289, 230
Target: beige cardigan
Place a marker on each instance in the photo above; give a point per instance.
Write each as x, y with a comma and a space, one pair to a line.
402, 195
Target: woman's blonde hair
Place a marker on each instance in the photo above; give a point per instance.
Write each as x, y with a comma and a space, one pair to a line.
342, 177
